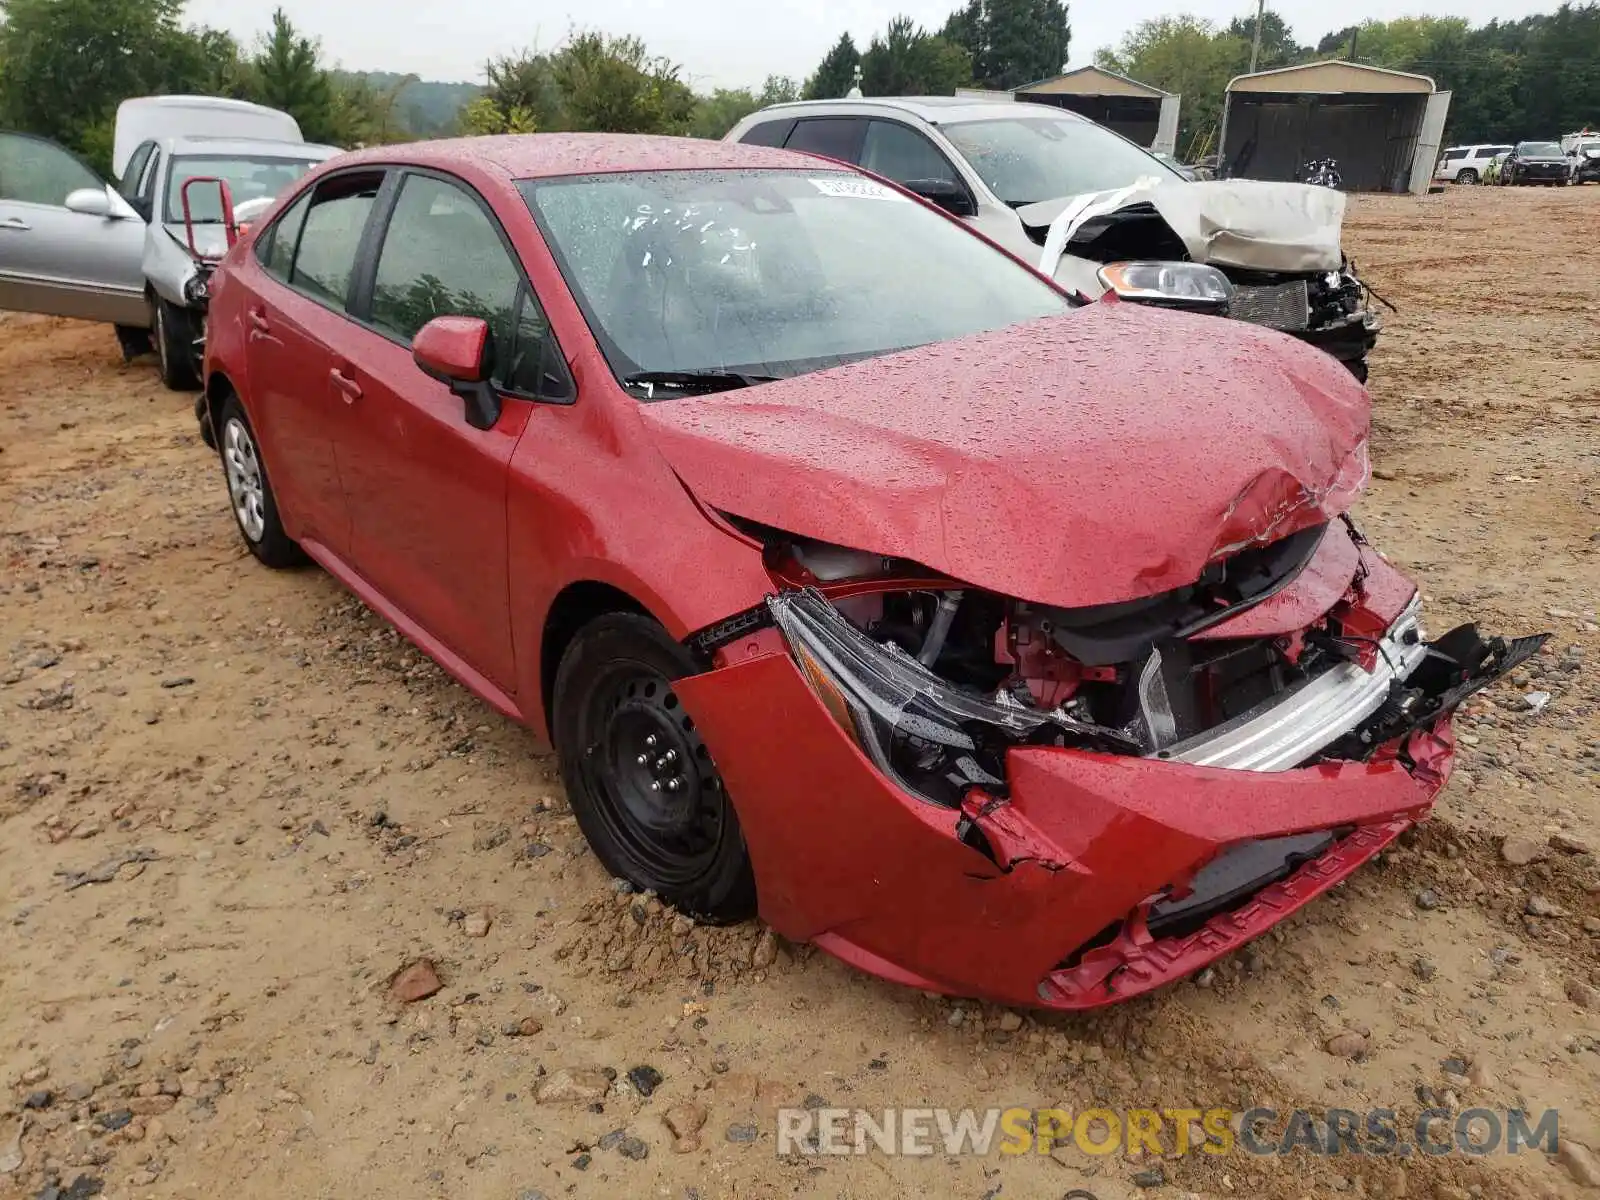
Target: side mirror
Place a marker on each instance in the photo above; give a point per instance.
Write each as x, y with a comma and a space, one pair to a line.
89, 202
459, 351
948, 195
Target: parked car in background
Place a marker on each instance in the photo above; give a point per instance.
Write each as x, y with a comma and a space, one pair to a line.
1583, 153
73, 245
1491, 169
1466, 164
998, 643
1534, 163
1098, 213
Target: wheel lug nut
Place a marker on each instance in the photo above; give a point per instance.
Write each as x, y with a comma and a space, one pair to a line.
642, 759
655, 785
650, 742
674, 784
671, 756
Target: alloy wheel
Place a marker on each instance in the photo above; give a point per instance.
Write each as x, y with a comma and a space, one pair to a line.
246, 488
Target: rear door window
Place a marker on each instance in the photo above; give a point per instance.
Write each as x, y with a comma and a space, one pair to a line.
768, 133
836, 137
330, 238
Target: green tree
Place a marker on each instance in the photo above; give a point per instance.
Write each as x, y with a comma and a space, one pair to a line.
836, 72
1278, 47
719, 112
287, 73
1011, 42
778, 89
1184, 54
615, 85
909, 61
69, 63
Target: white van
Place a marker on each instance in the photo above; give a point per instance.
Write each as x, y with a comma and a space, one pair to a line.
154, 118
1465, 164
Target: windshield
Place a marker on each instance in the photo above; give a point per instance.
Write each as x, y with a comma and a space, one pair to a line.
248, 179
1028, 159
771, 273
1539, 150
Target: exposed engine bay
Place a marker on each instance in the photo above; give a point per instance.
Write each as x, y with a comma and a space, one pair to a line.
936, 682
1277, 244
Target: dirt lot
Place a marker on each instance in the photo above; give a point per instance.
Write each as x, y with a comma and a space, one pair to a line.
233, 804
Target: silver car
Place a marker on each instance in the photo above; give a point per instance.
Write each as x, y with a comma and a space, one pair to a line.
72, 245
1099, 213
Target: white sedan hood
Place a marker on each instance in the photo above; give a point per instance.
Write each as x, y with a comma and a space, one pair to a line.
1233, 223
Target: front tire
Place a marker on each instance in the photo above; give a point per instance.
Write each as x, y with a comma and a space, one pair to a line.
255, 508
642, 784
1469, 177
173, 338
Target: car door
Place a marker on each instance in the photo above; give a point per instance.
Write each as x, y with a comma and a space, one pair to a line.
298, 317
427, 491
53, 260
898, 152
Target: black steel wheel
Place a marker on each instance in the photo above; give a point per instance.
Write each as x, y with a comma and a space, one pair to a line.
642, 784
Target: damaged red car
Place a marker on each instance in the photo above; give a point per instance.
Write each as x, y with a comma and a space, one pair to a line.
999, 644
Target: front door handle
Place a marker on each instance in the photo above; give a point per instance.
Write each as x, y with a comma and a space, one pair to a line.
350, 388
16, 223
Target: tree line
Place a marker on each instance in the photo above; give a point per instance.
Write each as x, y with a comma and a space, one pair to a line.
1533, 78
65, 65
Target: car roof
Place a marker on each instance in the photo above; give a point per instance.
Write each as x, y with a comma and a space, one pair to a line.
936, 110
250, 147
545, 155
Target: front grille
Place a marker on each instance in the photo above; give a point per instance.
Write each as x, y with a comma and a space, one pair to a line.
1276, 305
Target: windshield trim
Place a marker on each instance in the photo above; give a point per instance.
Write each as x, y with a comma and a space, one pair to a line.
621, 365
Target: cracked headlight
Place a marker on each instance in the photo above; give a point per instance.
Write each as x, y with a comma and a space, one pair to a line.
932, 738
1173, 284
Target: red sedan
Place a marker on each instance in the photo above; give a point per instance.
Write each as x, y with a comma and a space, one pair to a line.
997, 643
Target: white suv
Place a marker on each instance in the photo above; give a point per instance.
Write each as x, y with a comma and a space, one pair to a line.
1465, 164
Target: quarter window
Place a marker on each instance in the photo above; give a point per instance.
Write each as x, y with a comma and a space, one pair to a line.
275, 248
443, 256
330, 237
836, 137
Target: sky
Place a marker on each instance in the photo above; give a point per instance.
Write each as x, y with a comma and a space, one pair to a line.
724, 43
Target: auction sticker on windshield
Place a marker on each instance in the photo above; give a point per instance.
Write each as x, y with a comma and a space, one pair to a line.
861, 189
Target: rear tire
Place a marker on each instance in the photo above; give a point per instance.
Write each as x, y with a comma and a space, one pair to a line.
642, 784
173, 338
1468, 177
255, 508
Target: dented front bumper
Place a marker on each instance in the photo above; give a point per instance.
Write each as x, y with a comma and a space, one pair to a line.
1090, 877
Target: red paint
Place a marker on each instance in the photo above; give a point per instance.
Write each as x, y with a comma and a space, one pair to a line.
877, 877
1100, 456
452, 348
1038, 461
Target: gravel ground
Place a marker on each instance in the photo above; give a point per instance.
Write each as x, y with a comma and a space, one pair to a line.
233, 805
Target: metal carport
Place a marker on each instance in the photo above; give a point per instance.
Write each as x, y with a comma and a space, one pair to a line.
1137, 111
1384, 127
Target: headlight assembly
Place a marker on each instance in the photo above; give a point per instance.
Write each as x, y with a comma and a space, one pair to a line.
932, 738
1172, 284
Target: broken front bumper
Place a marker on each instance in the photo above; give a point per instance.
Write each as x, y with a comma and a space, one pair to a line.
1097, 876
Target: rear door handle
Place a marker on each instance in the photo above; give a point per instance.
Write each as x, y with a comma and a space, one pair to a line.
16, 223
350, 388
258, 321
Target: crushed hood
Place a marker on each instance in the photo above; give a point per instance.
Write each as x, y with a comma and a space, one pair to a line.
1230, 223
1103, 455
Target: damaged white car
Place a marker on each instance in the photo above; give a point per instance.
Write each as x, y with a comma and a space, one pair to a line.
138, 253
1098, 213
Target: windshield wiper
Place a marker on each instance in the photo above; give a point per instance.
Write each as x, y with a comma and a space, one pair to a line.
707, 380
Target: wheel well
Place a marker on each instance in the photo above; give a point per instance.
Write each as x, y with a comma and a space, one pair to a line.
575, 607
218, 388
